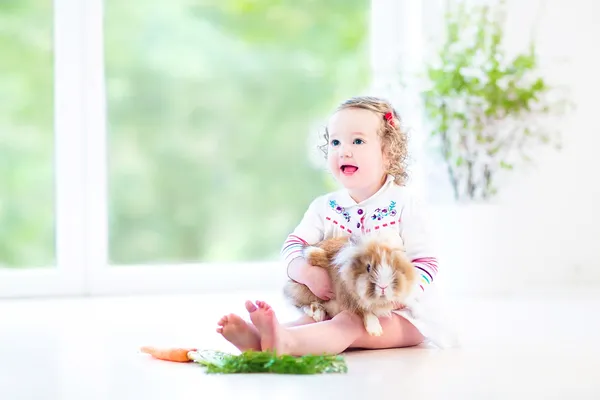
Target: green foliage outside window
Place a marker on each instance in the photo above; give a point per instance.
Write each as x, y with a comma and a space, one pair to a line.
212, 106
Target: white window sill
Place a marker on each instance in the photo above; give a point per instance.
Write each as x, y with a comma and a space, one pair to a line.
143, 279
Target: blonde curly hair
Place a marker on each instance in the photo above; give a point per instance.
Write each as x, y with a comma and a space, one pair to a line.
393, 138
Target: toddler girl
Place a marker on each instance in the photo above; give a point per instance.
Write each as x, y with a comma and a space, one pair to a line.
366, 153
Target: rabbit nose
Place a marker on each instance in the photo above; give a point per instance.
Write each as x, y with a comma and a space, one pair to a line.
382, 288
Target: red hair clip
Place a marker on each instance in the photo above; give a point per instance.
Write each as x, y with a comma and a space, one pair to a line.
389, 118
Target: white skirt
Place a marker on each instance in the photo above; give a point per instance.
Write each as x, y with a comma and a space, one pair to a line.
426, 312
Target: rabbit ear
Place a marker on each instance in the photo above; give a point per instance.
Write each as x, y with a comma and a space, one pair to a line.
346, 255
391, 237
354, 240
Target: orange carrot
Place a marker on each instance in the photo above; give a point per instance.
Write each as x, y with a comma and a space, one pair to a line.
175, 354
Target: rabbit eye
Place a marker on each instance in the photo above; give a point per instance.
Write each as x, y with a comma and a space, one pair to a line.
368, 267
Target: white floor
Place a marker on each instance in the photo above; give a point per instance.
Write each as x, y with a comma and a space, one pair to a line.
535, 347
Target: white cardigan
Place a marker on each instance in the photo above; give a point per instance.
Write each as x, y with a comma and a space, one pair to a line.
393, 207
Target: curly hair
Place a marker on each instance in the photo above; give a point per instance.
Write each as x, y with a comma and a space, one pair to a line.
394, 139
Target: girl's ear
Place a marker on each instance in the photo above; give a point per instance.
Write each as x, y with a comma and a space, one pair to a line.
384, 156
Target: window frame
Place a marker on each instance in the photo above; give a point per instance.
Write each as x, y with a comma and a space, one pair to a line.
81, 194
67, 276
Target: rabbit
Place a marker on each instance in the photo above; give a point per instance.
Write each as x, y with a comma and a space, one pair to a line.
370, 274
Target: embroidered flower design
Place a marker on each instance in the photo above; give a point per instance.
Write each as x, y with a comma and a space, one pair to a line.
379, 213
340, 210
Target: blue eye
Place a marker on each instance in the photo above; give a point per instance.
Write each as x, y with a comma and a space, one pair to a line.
358, 141
335, 142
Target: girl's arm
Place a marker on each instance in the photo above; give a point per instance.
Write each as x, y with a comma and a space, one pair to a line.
308, 232
418, 243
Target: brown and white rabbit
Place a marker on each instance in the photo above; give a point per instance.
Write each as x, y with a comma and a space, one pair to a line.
370, 276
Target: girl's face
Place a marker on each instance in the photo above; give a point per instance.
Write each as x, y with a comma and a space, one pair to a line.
355, 156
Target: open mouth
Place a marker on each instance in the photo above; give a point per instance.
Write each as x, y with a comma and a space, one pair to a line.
348, 169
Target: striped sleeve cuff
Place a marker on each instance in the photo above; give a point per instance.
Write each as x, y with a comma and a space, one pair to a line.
292, 248
428, 268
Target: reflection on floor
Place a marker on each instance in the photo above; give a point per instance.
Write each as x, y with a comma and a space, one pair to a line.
530, 347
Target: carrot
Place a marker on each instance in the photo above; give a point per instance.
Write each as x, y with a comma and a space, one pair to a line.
175, 354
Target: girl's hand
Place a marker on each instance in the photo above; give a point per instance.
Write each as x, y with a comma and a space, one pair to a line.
318, 281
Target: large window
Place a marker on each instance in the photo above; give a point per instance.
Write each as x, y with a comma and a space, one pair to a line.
147, 145
26, 135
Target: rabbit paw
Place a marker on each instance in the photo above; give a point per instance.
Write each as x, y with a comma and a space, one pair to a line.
372, 325
316, 312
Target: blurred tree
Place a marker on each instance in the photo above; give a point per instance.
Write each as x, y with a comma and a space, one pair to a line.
26, 134
212, 107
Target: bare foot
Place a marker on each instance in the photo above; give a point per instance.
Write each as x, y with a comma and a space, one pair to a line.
273, 337
238, 332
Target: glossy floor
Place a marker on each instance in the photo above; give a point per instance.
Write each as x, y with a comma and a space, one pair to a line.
542, 347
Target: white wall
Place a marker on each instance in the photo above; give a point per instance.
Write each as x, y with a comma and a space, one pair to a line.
543, 228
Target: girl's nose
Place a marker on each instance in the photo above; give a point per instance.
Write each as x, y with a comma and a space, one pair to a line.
345, 152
